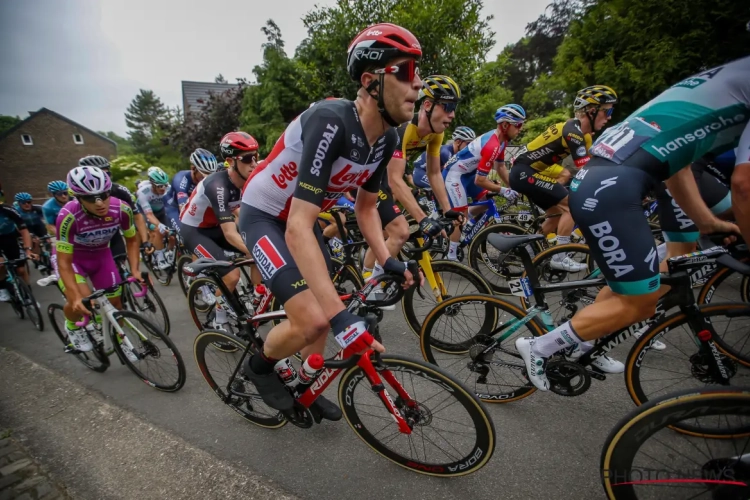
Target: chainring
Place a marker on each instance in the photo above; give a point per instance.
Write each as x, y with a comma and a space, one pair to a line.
567, 379
300, 416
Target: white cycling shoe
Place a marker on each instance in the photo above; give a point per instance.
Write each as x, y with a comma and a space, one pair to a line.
79, 340
655, 344
567, 264
605, 363
535, 365
5, 295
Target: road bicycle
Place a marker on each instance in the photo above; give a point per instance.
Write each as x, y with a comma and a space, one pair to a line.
473, 336
139, 343
22, 299
428, 422
643, 458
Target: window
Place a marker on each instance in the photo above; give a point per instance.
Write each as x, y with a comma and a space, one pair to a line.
78, 138
27, 140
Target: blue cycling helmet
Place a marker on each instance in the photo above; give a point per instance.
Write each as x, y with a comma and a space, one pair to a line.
55, 187
463, 133
512, 113
21, 197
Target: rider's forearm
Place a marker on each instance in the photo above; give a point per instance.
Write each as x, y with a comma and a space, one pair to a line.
51, 229
403, 194
26, 238
68, 276
152, 219
132, 247
502, 171
438, 188
741, 198
140, 224
685, 192
369, 224
302, 244
233, 237
485, 183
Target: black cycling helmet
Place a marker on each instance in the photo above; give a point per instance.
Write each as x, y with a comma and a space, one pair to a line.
440, 88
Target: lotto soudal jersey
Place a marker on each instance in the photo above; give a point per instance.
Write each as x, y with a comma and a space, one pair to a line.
211, 202
476, 158
704, 114
321, 155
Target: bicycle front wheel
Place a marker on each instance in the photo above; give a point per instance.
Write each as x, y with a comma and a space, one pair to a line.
643, 459
451, 432
451, 279
150, 306
153, 357
184, 279
31, 306
95, 359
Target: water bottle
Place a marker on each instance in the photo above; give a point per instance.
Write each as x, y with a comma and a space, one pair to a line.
286, 372
551, 239
310, 368
258, 294
337, 247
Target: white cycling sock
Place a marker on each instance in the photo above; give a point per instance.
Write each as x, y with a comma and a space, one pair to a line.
377, 270
662, 251
452, 250
160, 254
563, 240
561, 337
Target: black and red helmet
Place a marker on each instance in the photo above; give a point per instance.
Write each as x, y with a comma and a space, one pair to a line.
378, 44
237, 144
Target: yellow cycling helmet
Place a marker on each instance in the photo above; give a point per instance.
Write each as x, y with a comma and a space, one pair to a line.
440, 88
596, 95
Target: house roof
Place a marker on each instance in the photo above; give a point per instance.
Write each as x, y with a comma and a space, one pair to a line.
33, 114
194, 92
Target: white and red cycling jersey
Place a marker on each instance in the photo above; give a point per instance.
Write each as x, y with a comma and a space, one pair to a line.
212, 201
478, 157
320, 156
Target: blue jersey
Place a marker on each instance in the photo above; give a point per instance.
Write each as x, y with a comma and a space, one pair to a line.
180, 190
10, 220
50, 209
33, 217
420, 166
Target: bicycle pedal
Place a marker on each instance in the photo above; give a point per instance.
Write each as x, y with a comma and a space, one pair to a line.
596, 373
71, 350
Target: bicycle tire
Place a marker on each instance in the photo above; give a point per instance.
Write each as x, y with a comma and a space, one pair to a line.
554, 276
342, 273
411, 302
96, 361
664, 331
475, 459
152, 349
479, 259
183, 279
711, 286
634, 429
31, 306
203, 345
150, 306
434, 350
204, 310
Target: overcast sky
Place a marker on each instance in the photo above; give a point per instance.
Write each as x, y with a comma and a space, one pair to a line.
86, 59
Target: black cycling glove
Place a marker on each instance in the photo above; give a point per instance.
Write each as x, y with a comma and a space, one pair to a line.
430, 227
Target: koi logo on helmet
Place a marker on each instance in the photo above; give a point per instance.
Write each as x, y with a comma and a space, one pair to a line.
323, 146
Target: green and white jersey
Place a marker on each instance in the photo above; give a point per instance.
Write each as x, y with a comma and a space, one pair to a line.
706, 113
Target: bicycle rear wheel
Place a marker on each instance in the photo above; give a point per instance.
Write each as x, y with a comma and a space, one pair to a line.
217, 368
159, 363
452, 434
94, 360
642, 458
184, 279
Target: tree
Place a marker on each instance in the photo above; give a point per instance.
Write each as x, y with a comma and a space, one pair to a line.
7, 122
145, 117
220, 79
640, 47
124, 146
453, 34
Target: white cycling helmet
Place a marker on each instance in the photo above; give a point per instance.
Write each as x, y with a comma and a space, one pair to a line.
83, 181
204, 161
463, 134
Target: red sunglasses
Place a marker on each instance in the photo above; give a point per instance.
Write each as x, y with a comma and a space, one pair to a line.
405, 71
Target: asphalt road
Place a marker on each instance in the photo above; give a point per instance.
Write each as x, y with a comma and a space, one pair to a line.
548, 446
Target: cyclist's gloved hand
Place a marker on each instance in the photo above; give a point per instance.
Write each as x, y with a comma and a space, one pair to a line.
163, 229
147, 247
429, 227
395, 266
508, 193
351, 332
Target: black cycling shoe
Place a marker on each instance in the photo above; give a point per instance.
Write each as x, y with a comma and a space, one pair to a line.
324, 409
270, 388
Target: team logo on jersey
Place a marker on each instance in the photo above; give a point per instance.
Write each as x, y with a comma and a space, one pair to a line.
354, 154
267, 257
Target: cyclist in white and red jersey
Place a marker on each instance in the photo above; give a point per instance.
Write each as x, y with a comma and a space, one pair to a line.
331, 148
207, 219
466, 172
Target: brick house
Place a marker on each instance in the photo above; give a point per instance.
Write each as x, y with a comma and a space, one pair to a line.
43, 148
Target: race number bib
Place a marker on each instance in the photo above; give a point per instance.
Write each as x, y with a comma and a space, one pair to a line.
620, 142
